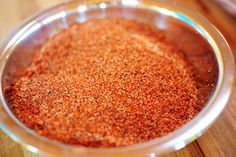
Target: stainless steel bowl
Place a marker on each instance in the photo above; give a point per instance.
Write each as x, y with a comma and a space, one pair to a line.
203, 45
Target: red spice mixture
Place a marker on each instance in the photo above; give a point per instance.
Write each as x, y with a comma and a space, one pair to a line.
106, 83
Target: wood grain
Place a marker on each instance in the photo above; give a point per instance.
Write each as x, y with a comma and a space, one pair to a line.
218, 141
8, 148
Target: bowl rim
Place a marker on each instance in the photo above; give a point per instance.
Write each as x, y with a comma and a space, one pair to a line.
174, 140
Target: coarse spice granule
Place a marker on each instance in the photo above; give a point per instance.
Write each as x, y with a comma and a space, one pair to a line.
106, 83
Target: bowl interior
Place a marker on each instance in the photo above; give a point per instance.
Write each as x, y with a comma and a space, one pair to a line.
195, 48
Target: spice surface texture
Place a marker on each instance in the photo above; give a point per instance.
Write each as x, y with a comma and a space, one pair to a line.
105, 83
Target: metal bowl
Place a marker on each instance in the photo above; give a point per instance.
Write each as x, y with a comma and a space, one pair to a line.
202, 44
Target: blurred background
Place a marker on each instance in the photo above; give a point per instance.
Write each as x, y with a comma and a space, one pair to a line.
218, 141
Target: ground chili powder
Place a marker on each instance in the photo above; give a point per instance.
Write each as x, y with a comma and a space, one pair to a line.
105, 83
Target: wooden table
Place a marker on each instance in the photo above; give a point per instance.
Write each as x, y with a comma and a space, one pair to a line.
218, 141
